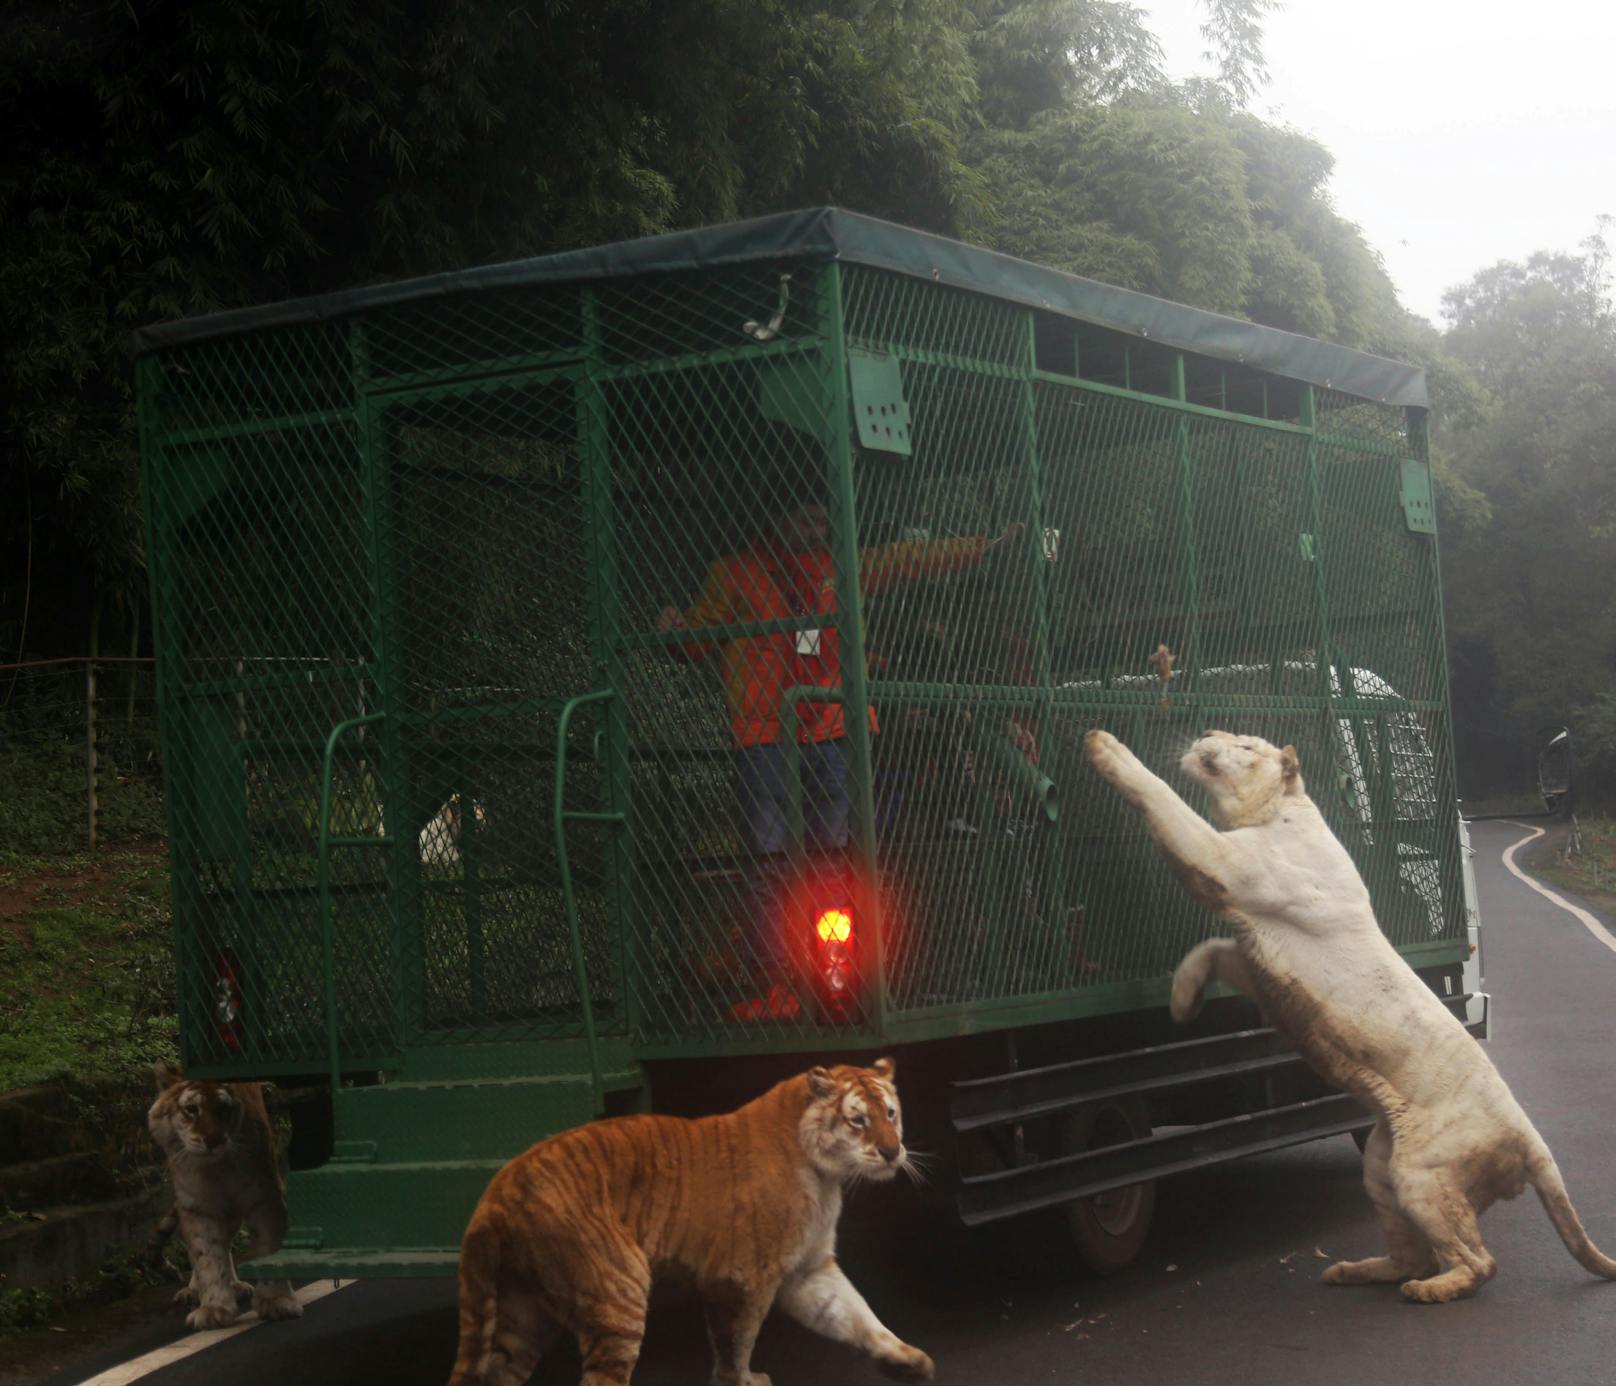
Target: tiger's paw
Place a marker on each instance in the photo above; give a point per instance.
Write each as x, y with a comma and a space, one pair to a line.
211, 1316
907, 1364
280, 1303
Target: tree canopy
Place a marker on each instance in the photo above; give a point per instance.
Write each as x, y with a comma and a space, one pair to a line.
173, 158
1529, 547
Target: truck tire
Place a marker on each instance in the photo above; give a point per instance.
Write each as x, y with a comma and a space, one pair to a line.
1108, 1230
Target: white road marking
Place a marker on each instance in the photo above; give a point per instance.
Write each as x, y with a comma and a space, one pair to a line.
1592, 925
193, 1343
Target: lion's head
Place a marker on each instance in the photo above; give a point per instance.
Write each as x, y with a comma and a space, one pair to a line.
1247, 778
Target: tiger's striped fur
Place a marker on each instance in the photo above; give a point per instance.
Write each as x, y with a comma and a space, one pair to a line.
220, 1151
567, 1237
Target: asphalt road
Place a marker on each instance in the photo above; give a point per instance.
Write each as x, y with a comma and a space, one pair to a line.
1226, 1294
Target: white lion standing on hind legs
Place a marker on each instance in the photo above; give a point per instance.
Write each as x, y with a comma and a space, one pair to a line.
1450, 1140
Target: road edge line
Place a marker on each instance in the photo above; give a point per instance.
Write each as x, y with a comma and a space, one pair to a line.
193, 1343
1592, 925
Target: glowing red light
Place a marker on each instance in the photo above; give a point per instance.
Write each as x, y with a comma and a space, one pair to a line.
834, 926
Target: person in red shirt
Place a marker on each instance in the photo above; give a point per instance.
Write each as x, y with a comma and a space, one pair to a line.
789, 574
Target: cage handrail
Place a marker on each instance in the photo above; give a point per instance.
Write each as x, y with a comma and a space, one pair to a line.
561, 817
328, 966
1038, 787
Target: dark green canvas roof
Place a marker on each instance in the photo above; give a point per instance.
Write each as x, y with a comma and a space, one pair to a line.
826, 233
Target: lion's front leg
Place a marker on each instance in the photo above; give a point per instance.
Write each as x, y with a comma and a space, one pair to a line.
1196, 850
1116, 763
1216, 960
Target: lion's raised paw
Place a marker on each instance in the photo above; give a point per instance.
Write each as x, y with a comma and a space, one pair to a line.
1106, 754
1097, 742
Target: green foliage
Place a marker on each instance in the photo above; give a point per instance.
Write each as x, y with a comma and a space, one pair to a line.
1180, 196
45, 804
1530, 565
1144, 196
1591, 871
1593, 732
1234, 29
1034, 56
171, 159
89, 964
27, 1307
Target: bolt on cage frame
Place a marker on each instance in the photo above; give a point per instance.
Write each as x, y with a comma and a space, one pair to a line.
498, 707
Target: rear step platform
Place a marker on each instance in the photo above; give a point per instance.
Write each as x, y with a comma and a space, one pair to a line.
355, 1263
411, 1157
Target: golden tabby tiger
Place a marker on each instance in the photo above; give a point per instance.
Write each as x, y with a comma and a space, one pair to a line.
220, 1151
568, 1236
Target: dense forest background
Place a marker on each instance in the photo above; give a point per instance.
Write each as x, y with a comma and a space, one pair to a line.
168, 159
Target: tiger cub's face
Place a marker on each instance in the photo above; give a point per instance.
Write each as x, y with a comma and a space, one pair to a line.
853, 1128
193, 1117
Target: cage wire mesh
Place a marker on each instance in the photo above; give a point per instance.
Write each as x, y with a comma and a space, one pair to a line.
854, 560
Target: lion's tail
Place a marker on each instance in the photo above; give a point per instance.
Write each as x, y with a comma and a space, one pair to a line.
1544, 1175
479, 1303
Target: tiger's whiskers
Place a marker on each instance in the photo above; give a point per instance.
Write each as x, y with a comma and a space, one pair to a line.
920, 1167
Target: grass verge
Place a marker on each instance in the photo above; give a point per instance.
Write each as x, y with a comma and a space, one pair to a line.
86, 947
1589, 873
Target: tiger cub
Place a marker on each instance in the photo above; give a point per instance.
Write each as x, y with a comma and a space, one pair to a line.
220, 1153
567, 1237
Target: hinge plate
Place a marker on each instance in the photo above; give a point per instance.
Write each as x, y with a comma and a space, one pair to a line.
880, 412
1418, 509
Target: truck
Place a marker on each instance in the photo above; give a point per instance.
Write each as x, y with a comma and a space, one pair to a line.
459, 685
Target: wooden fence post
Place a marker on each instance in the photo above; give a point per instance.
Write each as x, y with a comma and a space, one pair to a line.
89, 745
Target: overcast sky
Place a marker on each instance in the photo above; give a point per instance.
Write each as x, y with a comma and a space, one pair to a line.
1463, 133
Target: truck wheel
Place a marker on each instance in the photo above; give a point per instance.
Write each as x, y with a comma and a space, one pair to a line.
1109, 1229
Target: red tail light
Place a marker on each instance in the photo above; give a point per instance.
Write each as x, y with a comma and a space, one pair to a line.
834, 926
227, 1001
836, 958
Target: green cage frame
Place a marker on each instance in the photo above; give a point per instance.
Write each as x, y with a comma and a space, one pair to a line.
306, 468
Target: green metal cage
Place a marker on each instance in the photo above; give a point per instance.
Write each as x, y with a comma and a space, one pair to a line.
441, 771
